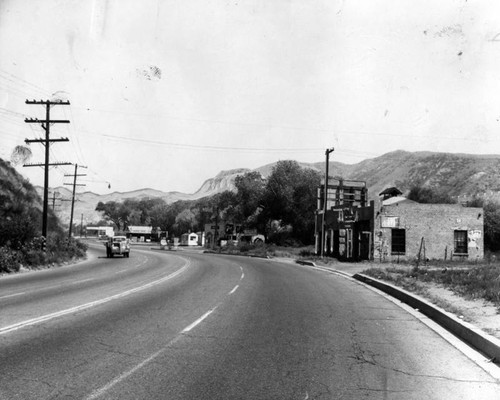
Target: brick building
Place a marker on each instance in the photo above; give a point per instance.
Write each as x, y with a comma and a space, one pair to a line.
405, 230
394, 228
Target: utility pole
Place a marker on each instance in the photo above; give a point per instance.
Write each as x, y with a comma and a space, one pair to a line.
46, 142
74, 184
81, 227
323, 237
54, 201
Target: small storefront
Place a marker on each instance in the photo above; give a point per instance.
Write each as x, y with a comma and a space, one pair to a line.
348, 232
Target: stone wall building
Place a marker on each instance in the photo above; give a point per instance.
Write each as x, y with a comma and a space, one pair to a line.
407, 230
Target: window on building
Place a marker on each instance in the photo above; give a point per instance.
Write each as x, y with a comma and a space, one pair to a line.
398, 241
460, 240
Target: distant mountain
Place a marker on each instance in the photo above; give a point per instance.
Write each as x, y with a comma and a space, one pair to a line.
224, 180
457, 174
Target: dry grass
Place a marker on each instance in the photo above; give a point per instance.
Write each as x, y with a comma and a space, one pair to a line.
471, 282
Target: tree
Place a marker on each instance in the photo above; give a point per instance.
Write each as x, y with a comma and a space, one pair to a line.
428, 195
491, 222
113, 212
250, 190
290, 198
185, 221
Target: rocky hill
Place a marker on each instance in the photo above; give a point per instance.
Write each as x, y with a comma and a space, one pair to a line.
457, 174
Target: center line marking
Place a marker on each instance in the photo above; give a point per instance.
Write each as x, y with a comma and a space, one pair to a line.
189, 327
102, 391
234, 289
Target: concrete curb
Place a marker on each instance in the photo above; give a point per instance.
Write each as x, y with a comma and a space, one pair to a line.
486, 344
305, 262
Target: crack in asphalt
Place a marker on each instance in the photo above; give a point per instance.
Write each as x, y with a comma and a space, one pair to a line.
360, 355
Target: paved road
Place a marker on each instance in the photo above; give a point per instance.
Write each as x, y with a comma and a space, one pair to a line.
161, 325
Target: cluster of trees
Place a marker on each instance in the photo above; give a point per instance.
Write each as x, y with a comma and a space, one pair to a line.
422, 194
281, 207
21, 243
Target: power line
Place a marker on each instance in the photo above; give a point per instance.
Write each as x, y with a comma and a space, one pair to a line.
205, 147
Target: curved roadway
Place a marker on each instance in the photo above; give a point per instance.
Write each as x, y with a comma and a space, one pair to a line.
186, 325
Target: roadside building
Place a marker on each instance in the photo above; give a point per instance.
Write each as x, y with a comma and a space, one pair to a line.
407, 230
140, 233
189, 239
101, 232
201, 238
345, 226
394, 228
223, 233
220, 233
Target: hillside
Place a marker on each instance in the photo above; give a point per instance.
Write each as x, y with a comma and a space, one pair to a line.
458, 174
16, 193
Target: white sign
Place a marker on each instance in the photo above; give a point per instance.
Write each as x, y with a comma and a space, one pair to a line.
389, 222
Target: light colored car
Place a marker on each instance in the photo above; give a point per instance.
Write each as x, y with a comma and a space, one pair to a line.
117, 245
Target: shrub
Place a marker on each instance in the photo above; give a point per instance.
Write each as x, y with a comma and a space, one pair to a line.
9, 260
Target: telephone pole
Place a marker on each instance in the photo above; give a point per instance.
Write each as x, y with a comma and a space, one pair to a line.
74, 184
325, 200
45, 123
54, 198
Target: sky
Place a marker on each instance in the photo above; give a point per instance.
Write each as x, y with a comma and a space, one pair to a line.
166, 94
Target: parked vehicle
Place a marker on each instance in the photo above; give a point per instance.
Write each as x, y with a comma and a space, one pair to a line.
117, 245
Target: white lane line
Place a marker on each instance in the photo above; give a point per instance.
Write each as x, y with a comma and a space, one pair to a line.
189, 327
100, 392
47, 287
121, 272
71, 310
234, 289
82, 280
12, 295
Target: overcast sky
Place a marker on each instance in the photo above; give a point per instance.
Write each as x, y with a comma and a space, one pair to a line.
165, 94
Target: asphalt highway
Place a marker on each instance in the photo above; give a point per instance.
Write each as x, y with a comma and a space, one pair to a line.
186, 325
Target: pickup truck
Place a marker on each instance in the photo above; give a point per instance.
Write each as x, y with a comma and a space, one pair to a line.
117, 245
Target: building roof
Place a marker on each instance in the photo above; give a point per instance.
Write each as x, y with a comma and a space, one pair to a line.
396, 200
140, 229
392, 191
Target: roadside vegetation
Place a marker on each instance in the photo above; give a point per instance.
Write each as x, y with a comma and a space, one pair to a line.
265, 250
280, 207
21, 243
481, 281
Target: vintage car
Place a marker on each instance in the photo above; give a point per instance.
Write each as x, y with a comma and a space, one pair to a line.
117, 245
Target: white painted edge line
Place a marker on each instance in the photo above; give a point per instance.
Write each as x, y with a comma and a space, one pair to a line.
198, 321
71, 310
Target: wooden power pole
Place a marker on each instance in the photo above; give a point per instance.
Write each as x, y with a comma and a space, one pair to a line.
74, 184
46, 123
